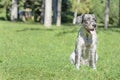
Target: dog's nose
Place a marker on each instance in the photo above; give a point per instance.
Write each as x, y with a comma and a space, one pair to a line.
94, 25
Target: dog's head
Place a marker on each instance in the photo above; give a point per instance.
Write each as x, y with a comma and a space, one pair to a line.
89, 22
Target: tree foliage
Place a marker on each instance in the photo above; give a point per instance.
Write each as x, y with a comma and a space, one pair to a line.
82, 7
96, 7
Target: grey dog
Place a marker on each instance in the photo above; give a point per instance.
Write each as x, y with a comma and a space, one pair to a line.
85, 48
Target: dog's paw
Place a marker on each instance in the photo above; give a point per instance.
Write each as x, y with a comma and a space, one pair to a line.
94, 68
77, 66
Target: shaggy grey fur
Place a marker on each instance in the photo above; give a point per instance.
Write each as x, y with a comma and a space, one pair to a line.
85, 48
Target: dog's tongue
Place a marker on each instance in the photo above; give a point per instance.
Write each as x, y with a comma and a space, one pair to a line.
91, 31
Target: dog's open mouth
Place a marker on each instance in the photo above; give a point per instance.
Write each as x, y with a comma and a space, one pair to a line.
91, 29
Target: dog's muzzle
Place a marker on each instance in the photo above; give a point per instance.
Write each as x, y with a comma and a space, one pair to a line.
94, 25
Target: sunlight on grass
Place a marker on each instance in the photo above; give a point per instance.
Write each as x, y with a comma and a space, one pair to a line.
31, 52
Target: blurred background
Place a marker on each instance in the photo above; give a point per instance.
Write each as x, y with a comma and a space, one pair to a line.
50, 12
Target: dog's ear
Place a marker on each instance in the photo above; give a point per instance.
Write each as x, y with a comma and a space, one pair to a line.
79, 19
82, 17
94, 16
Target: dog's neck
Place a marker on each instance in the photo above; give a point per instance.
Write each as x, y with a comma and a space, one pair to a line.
88, 33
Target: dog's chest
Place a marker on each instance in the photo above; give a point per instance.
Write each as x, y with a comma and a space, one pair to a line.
88, 41
86, 48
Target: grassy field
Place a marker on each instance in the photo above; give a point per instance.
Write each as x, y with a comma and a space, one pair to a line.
31, 52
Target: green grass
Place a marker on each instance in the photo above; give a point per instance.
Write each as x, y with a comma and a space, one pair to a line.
31, 52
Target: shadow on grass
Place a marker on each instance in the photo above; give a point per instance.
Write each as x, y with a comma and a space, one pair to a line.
34, 29
68, 28
1, 61
114, 30
59, 31
63, 32
110, 28
2, 19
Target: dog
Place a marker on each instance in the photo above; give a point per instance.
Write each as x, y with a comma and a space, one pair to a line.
86, 44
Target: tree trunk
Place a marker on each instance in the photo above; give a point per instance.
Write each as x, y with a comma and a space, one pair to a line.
48, 13
106, 21
14, 10
75, 13
55, 3
119, 15
59, 13
42, 12
75, 17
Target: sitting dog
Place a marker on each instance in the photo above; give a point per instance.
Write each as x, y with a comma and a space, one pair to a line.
85, 48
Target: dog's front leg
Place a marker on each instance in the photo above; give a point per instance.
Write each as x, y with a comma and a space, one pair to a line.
77, 58
93, 57
78, 52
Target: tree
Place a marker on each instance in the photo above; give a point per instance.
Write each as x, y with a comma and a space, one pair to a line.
106, 21
48, 13
76, 12
42, 12
14, 10
80, 7
59, 12
119, 14
55, 7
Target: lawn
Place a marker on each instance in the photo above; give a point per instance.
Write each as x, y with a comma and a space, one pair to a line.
31, 52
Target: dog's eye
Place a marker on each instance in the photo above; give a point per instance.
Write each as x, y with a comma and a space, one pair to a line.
88, 19
94, 19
